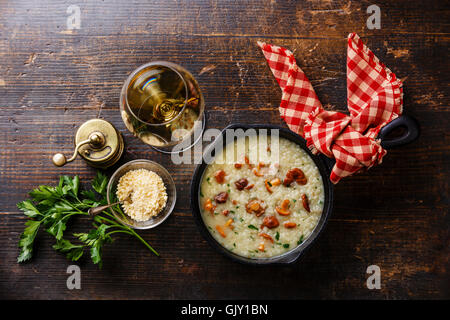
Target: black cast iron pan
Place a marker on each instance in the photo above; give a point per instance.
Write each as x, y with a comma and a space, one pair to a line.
323, 163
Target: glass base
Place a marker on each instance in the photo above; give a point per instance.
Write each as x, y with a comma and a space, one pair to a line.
169, 150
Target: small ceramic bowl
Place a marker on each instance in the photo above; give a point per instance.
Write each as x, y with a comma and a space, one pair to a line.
168, 182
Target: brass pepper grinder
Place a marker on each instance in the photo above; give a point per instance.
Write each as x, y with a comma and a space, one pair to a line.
97, 142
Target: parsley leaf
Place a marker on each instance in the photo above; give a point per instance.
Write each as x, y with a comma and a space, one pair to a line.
46, 193
27, 239
57, 229
99, 183
73, 252
95, 239
28, 209
89, 194
71, 185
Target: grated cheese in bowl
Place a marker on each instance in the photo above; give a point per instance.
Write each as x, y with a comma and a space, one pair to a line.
148, 194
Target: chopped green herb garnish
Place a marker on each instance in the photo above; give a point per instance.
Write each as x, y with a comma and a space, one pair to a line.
268, 182
250, 226
277, 236
293, 200
300, 240
207, 179
232, 211
286, 245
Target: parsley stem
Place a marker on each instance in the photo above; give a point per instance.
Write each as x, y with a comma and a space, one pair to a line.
110, 221
132, 232
119, 231
71, 213
73, 206
116, 221
110, 215
144, 242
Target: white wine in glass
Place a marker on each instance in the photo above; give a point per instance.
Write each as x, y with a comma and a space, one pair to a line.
161, 104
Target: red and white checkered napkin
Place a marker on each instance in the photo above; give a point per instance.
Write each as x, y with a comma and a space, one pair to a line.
374, 98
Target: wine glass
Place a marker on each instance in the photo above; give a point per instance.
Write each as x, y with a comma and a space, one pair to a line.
161, 104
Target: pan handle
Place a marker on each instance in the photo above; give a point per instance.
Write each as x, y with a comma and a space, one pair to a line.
412, 132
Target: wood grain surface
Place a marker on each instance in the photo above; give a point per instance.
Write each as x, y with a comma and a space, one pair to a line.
52, 79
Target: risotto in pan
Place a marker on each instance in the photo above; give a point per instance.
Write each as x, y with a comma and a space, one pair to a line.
261, 204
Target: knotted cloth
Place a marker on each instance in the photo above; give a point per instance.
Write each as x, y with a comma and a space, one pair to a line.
374, 98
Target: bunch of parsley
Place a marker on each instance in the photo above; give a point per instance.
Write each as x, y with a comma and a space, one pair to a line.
51, 208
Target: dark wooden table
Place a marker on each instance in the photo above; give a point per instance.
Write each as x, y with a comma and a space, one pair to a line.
52, 79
